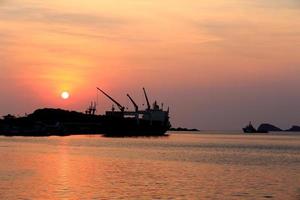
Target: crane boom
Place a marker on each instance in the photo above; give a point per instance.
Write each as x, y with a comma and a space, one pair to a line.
134, 104
148, 104
122, 108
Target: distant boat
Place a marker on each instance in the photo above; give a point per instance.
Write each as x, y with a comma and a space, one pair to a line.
250, 129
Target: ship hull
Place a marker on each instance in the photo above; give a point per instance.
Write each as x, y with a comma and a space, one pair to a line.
132, 127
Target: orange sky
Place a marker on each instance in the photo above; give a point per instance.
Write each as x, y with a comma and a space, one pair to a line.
217, 63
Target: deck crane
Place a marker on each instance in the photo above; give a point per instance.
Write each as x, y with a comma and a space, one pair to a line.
136, 107
122, 108
148, 104
91, 109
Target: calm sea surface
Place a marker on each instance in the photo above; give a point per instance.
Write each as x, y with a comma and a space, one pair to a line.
181, 166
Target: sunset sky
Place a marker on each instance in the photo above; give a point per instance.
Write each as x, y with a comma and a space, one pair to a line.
217, 63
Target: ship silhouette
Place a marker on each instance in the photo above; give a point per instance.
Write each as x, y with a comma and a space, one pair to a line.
153, 121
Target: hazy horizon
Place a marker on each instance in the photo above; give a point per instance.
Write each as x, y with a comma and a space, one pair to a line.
216, 64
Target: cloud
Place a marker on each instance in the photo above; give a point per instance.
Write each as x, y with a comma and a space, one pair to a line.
265, 4
289, 4
77, 24
17, 21
6, 37
51, 16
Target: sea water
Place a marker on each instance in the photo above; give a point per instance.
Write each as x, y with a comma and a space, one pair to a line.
181, 166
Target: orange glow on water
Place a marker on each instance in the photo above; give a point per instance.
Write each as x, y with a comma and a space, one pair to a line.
180, 166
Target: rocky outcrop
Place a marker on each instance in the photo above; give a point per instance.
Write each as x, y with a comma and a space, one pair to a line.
268, 128
183, 129
294, 129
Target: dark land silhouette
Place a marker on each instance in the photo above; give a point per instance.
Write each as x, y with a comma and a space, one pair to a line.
183, 129
268, 128
265, 128
152, 121
294, 129
49, 121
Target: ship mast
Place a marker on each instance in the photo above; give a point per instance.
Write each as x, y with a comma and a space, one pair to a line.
122, 108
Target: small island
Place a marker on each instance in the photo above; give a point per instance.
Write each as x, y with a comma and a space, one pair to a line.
182, 129
266, 128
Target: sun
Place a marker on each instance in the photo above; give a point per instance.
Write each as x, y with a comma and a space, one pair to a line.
65, 95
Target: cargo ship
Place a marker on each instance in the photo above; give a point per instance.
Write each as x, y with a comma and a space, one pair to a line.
152, 121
